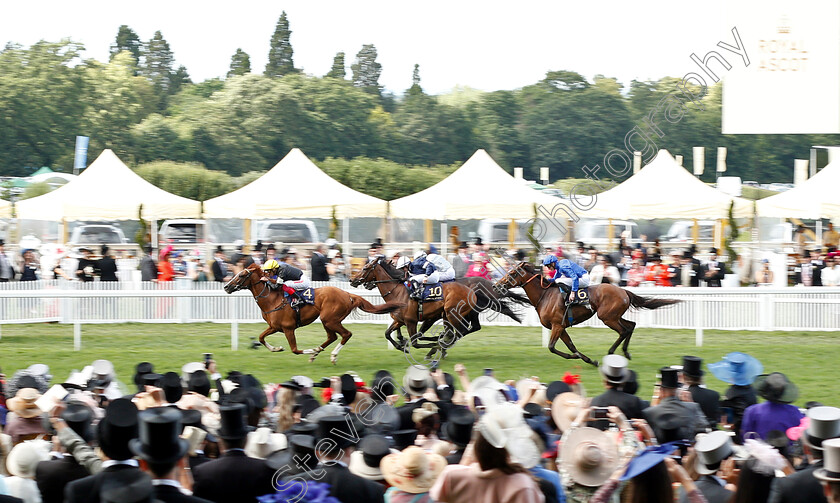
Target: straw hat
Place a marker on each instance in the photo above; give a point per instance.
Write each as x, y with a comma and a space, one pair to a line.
412, 470
565, 408
589, 456
23, 404
25, 457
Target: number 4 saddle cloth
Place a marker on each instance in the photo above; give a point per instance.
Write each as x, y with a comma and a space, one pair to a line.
306, 296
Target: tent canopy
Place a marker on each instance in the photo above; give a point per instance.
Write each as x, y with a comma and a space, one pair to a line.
107, 190
41, 171
815, 198
478, 189
664, 189
294, 188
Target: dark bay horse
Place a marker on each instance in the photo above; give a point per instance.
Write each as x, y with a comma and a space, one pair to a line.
379, 273
332, 304
608, 301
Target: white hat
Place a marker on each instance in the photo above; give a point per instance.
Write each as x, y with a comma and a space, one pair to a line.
188, 369
417, 379
505, 427
103, 368
403, 261
488, 390
25, 457
418, 254
262, 442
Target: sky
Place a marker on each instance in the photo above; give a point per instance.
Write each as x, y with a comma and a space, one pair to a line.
488, 45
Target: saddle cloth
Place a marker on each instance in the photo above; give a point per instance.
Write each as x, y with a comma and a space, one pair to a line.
307, 295
429, 293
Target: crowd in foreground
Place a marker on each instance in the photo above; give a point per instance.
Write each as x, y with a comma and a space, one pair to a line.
424, 436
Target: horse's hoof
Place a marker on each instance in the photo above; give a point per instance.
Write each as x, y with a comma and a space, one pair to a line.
333, 359
594, 363
627, 355
276, 349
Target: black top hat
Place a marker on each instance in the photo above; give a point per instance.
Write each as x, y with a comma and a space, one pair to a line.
159, 440
382, 419
172, 388
631, 385
199, 383
298, 457
463, 245
403, 438
233, 425
117, 428
242, 397
668, 426
692, 366
310, 429
127, 486
374, 448
338, 429
555, 388
375, 245
292, 385
533, 410
190, 417
670, 378
448, 392
307, 405
382, 386
142, 369
348, 388
258, 246
152, 379
458, 429
78, 417
104, 250
478, 242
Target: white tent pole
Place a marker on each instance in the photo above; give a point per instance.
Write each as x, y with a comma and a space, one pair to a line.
154, 234
345, 237
443, 239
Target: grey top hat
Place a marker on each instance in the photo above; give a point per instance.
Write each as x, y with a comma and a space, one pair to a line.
711, 450
824, 424
417, 379
830, 472
614, 369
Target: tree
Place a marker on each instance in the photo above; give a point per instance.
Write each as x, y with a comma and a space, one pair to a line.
337, 71
157, 66
178, 80
127, 40
366, 70
415, 88
280, 56
240, 64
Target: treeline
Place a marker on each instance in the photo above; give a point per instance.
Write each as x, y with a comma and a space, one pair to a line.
145, 109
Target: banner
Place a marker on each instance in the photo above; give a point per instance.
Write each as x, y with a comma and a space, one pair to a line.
80, 162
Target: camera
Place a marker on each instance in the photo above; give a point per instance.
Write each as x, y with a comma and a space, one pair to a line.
323, 383
488, 372
208, 357
599, 413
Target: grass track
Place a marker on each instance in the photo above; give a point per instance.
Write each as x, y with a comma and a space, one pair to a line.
810, 359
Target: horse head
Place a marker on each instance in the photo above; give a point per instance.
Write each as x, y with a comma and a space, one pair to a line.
365, 275
518, 275
244, 279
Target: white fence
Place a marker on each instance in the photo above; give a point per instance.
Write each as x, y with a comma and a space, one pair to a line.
814, 308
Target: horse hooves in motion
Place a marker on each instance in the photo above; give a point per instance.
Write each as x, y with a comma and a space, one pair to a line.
608, 301
332, 304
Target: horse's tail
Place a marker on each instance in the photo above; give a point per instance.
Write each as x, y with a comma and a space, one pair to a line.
648, 302
367, 307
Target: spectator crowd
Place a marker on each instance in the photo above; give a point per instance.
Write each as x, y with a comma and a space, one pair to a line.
194, 435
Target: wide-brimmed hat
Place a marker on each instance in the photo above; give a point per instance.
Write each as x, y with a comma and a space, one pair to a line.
737, 368
523, 388
711, 450
565, 408
505, 427
418, 379
117, 428
159, 439
589, 456
692, 366
233, 425
25, 456
776, 387
614, 369
649, 458
830, 472
23, 403
262, 443
298, 457
365, 461
413, 470
489, 391
458, 427
823, 424
26, 379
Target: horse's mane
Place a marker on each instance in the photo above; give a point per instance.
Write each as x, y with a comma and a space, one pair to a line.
390, 269
528, 267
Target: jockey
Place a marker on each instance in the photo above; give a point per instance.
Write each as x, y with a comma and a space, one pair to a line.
569, 274
289, 278
429, 269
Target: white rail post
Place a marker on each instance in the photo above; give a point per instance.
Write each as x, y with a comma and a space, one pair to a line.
77, 336
234, 326
698, 321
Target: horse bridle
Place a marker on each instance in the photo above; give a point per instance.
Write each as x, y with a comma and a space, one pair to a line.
263, 294
375, 282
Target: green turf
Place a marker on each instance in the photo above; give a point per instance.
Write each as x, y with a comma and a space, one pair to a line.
808, 358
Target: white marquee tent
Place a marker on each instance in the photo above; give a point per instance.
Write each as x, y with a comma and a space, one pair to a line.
816, 198
107, 190
664, 189
478, 189
294, 188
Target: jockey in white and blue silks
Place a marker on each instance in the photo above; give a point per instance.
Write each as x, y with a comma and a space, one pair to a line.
430, 269
567, 273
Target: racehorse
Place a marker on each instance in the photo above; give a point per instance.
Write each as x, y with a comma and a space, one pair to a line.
608, 301
379, 273
332, 304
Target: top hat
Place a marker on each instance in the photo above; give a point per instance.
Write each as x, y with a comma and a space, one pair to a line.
117, 428
382, 418
463, 245
348, 388
78, 417
533, 410
309, 429
151, 379
668, 428
127, 486
403, 438
776, 387
670, 377
338, 429
692, 366
142, 369
556, 388
299, 456
614, 369
824, 423
831, 461
159, 440
711, 450
199, 383
233, 425
478, 241
589, 456
191, 417
417, 379
382, 386
458, 427
307, 405
172, 388
365, 461
631, 385
737, 368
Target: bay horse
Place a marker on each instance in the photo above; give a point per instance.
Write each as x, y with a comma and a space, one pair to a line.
332, 304
380, 273
608, 301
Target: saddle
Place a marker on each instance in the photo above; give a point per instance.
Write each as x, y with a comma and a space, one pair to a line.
301, 297
426, 293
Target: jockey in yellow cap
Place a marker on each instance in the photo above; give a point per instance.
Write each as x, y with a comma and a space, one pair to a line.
289, 278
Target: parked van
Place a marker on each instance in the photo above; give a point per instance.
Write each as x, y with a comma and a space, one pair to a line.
682, 231
183, 231
594, 232
97, 235
287, 231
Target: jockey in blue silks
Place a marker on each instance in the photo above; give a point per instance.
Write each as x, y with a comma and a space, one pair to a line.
569, 274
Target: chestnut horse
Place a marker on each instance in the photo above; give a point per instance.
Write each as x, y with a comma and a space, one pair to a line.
332, 304
379, 273
608, 301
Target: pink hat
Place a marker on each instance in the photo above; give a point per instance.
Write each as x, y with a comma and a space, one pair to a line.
795, 432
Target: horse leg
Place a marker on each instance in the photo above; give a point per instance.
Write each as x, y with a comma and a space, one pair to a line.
629, 332
266, 333
556, 331
345, 336
567, 340
394, 326
316, 351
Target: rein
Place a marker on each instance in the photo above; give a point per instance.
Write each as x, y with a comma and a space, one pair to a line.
263, 294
